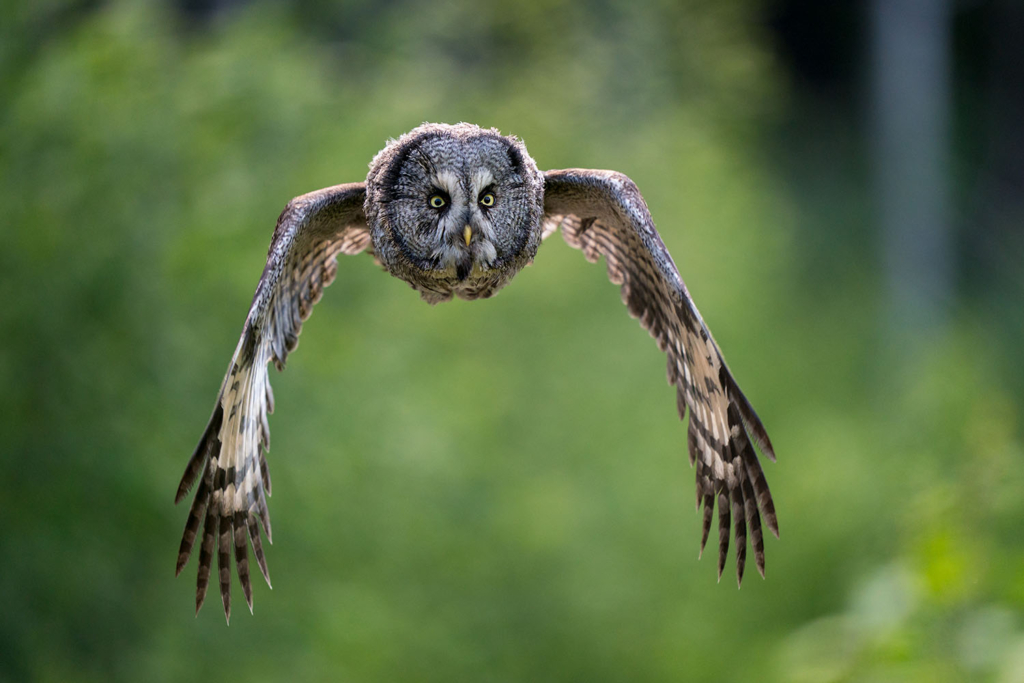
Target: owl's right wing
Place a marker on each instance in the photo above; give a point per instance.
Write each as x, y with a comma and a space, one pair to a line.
603, 213
311, 231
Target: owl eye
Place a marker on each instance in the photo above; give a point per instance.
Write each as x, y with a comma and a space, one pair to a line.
436, 201
487, 199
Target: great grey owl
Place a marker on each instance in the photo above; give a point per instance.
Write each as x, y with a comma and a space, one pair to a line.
459, 210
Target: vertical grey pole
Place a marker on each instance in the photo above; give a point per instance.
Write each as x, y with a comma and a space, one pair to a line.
911, 88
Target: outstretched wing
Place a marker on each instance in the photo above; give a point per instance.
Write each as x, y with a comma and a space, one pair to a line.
230, 462
603, 214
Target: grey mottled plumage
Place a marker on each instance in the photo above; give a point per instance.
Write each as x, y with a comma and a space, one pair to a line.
459, 210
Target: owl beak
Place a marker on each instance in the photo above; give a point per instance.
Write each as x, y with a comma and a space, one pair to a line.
467, 234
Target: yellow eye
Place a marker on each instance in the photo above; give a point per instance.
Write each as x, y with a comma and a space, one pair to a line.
487, 199
436, 201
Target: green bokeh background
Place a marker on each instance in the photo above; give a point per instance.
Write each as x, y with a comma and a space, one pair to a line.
495, 490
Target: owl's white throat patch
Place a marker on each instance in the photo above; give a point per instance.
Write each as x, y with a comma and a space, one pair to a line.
484, 252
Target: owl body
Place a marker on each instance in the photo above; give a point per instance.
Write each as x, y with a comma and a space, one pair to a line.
458, 210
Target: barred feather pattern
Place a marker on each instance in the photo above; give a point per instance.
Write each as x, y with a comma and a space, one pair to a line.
230, 501
602, 213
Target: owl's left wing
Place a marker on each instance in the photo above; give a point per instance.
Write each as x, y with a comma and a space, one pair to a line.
230, 463
603, 214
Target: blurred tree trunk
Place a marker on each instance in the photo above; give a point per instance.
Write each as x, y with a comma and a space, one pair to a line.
911, 88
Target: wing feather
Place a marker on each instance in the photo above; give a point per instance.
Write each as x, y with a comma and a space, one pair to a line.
602, 213
231, 455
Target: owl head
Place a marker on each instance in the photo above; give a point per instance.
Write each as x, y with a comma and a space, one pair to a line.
454, 202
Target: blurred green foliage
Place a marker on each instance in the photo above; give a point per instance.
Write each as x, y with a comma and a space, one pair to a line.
494, 490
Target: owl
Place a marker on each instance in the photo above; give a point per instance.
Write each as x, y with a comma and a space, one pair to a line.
457, 210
